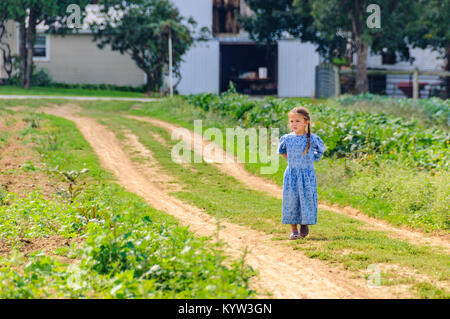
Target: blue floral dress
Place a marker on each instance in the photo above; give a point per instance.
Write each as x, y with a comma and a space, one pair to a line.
299, 179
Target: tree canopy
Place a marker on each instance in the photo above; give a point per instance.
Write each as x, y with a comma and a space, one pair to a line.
324, 22
141, 28
29, 14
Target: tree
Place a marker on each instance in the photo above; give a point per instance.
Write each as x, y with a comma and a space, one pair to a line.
323, 22
433, 30
5, 48
29, 14
141, 28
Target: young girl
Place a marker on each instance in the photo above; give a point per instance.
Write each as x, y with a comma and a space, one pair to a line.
301, 148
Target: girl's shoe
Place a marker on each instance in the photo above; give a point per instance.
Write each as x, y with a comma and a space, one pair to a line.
294, 236
304, 230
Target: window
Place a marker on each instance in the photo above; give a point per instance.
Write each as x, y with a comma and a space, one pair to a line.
41, 50
40, 47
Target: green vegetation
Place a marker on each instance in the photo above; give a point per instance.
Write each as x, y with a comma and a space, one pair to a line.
128, 249
74, 90
3, 138
331, 239
363, 167
428, 112
336, 239
346, 133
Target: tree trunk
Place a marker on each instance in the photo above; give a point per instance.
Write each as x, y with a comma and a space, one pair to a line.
23, 52
149, 86
362, 82
362, 49
31, 34
5, 48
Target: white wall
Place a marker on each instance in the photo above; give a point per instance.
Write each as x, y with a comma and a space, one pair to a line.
200, 10
425, 59
296, 68
200, 71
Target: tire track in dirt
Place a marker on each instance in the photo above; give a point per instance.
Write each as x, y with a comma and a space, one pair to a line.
283, 272
254, 182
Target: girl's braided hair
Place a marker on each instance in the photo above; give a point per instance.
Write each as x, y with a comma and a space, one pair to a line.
305, 113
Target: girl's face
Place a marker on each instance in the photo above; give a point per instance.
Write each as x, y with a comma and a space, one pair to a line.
298, 123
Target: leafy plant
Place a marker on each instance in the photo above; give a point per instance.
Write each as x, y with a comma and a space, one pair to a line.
41, 77
3, 138
346, 133
72, 190
32, 122
28, 166
431, 112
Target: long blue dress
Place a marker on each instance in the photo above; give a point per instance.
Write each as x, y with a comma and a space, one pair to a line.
299, 179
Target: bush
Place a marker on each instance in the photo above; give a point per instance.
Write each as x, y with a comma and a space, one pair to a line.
41, 77
430, 112
347, 133
86, 86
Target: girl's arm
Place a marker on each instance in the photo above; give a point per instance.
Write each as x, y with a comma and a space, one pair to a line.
318, 148
282, 146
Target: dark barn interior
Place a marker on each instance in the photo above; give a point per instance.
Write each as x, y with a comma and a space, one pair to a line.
241, 63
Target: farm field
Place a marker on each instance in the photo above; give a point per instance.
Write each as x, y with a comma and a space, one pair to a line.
126, 189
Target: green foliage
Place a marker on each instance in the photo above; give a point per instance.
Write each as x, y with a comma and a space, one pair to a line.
48, 83
346, 133
34, 216
433, 21
129, 250
72, 191
28, 166
274, 17
3, 138
224, 197
33, 122
84, 86
230, 103
63, 89
143, 32
29, 14
70, 176
41, 77
430, 112
3, 196
375, 183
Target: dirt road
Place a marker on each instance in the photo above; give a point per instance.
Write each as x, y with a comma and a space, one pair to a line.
238, 171
284, 272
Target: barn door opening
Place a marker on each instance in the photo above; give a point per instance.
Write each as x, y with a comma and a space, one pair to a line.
252, 69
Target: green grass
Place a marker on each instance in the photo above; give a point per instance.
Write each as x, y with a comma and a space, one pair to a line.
225, 198
428, 112
3, 138
336, 239
130, 250
390, 191
16, 90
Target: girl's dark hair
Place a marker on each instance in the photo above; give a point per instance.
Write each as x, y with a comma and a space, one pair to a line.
305, 113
